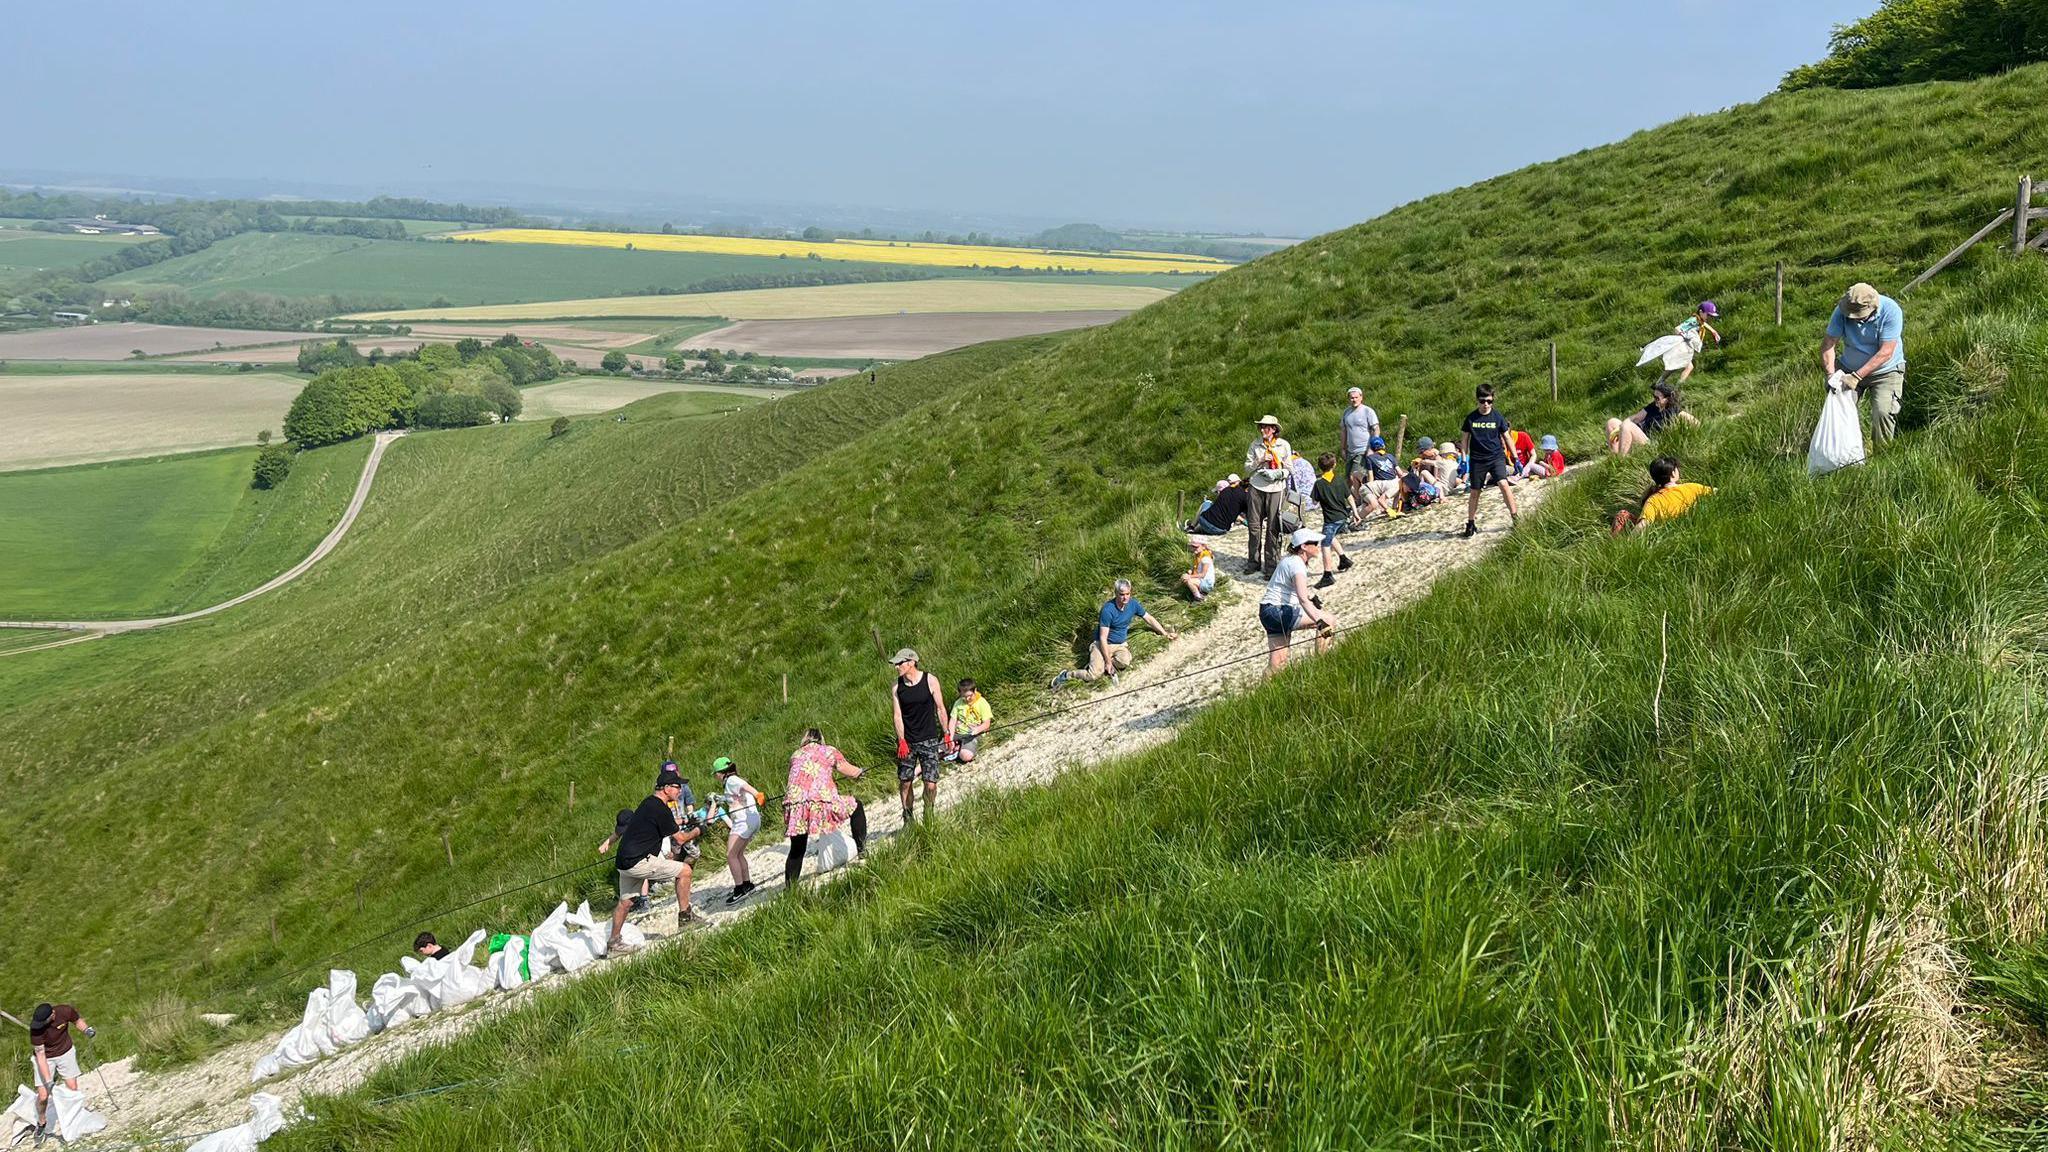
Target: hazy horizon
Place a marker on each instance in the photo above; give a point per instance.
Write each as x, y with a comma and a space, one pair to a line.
1290, 120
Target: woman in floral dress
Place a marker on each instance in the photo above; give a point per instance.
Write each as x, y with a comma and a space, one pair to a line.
813, 805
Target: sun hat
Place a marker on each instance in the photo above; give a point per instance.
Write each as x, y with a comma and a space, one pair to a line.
904, 656
722, 765
1549, 444
1234, 478
668, 777
1707, 308
1859, 302
1424, 444
1269, 418
1222, 484
1303, 536
1376, 442
40, 1019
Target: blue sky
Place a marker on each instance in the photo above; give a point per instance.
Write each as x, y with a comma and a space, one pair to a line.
1285, 117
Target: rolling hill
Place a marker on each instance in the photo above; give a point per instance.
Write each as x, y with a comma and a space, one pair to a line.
1720, 836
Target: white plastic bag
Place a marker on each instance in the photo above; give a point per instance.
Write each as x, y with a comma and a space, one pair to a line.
70, 1119
244, 1137
545, 941
302, 1045
1676, 351
509, 967
1838, 437
581, 944
451, 979
394, 1000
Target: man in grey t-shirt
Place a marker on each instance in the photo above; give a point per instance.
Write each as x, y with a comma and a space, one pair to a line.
1360, 425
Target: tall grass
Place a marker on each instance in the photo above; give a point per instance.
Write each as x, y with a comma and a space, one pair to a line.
1687, 842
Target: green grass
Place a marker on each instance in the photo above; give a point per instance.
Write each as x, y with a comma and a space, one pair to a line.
1452, 915
162, 535
148, 366
415, 274
24, 252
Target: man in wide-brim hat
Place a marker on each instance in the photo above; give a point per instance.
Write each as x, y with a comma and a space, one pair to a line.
1867, 339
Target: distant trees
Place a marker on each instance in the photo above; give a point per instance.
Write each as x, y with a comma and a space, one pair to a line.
433, 388
560, 427
1909, 41
343, 403
503, 398
321, 357
614, 361
676, 362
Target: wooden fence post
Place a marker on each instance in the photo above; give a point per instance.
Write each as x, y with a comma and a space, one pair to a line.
1781, 293
2019, 215
877, 634
273, 930
572, 795
1181, 510
1400, 439
785, 687
1553, 371
448, 848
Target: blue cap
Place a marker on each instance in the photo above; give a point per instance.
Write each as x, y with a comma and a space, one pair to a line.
1424, 444
1550, 443
1377, 442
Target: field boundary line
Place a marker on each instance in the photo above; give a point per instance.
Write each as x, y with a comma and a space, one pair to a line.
95, 628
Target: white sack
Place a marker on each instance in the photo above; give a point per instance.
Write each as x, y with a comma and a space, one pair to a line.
1838, 437
505, 965
836, 850
70, 1119
1675, 350
450, 980
346, 1022
302, 1045
582, 944
244, 1137
395, 1000
544, 942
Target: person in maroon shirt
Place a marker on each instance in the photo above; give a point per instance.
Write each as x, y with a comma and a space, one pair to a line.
51, 1055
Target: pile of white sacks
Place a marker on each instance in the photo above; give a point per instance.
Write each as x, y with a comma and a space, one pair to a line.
566, 941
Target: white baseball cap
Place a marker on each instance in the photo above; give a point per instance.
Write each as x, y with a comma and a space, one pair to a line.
1303, 536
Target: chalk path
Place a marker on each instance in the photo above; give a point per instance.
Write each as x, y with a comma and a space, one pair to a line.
1396, 563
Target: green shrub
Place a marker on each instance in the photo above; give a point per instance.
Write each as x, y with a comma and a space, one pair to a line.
614, 361
455, 410
559, 428
273, 464
1908, 41
346, 402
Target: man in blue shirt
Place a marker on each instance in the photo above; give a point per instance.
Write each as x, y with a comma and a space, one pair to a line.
1110, 649
1869, 332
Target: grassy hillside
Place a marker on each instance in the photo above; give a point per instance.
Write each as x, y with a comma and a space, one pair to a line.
979, 516
1701, 841
416, 274
149, 537
24, 252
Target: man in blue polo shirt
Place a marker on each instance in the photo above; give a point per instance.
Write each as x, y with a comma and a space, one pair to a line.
1110, 649
1869, 331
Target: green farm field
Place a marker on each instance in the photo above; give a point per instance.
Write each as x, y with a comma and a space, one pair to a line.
414, 274
23, 252
159, 536
1749, 843
589, 395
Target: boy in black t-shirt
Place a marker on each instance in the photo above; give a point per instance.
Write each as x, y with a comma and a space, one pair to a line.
1485, 444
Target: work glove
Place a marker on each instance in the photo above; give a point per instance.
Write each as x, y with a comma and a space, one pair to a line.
902, 748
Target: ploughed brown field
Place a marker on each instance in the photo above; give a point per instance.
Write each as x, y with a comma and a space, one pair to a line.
904, 336
74, 419
119, 341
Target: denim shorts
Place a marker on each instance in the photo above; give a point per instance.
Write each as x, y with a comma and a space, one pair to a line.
1333, 529
1278, 620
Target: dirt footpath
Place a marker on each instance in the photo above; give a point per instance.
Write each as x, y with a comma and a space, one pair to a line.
1395, 564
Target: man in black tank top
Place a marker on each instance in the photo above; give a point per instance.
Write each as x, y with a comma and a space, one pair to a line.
923, 730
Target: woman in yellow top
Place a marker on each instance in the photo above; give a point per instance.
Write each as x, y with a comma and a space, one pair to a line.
1201, 579
1670, 498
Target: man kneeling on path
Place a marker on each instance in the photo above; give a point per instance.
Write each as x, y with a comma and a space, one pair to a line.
51, 1055
1111, 649
639, 858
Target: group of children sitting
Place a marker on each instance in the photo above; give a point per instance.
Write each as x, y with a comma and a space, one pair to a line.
1439, 471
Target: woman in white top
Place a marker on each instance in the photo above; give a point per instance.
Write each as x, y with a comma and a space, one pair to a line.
743, 813
1287, 604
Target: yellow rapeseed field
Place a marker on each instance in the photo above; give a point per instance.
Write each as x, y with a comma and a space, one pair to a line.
877, 251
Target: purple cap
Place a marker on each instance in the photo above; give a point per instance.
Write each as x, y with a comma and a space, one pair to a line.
1707, 307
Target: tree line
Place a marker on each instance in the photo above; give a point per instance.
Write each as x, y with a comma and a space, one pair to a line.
439, 386
1911, 41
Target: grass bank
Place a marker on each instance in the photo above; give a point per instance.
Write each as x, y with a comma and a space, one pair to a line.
1726, 835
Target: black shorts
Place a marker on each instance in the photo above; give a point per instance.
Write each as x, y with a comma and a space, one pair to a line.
1487, 473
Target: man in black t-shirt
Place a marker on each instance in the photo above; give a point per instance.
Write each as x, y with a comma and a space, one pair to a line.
51, 1058
640, 858
1485, 444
